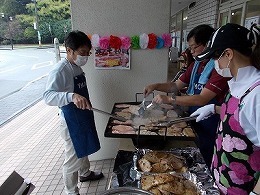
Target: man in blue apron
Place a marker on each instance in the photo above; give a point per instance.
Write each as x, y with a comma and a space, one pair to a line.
204, 86
67, 88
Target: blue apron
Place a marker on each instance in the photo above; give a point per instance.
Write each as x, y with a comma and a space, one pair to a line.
205, 129
81, 123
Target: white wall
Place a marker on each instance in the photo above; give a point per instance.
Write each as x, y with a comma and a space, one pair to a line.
106, 87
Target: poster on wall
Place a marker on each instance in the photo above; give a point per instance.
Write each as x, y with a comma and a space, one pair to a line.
252, 20
112, 58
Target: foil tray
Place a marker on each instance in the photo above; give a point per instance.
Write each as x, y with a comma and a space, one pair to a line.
197, 172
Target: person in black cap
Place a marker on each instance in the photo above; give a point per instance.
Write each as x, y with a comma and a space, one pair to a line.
204, 86
236, 161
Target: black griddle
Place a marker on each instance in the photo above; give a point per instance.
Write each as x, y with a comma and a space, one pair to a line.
138, 136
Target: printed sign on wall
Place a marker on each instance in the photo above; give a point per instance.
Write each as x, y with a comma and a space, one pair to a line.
112, 58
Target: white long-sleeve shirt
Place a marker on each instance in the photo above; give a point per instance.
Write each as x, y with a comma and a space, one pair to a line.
249, 115
60, 83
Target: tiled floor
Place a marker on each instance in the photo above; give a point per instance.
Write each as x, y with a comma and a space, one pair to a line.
31, 145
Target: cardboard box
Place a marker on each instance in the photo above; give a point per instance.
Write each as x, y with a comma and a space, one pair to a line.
16, 185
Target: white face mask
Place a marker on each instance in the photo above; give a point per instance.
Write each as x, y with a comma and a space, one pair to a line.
225, 72
81, 60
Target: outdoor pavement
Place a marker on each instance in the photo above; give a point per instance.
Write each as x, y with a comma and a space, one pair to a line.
30, 143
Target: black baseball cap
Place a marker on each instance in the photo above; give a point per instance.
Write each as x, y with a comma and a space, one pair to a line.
231, 36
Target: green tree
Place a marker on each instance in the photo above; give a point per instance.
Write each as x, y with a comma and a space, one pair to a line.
49, 14
13, 7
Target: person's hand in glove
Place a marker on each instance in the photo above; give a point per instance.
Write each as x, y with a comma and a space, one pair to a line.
204, 112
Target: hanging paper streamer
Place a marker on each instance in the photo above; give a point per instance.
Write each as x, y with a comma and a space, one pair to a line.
104, 42
160, 43
135, 42
126, 42
89, 36
143, 42
115, 42
167, 39
152, 41
95, 40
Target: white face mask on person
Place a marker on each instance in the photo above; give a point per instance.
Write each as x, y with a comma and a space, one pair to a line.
81, 60
225, 72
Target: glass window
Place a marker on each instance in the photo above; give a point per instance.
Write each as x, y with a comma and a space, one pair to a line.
252, 8
223, 18
179, 21
173, 30
185, 18
184, 28
179, 30
252, 13
236, 16
173, 23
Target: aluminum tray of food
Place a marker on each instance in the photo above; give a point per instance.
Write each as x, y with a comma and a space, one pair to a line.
137, 126
151, 161
172, 183
195, 176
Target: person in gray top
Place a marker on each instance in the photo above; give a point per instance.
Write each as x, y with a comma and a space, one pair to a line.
67, 88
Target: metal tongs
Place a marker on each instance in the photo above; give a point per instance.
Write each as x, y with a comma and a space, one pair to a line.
143, 110
111, 115
177, 120
134, 174
142, 107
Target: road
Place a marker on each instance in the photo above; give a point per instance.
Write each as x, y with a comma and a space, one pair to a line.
18, 67
23, 74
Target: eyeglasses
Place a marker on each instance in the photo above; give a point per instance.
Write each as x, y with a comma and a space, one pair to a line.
83, 53
193, 48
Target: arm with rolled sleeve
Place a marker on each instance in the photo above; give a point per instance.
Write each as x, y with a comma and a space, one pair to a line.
216, 87
59, 88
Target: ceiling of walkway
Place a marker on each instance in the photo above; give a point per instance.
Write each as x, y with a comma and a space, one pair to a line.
177, 5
